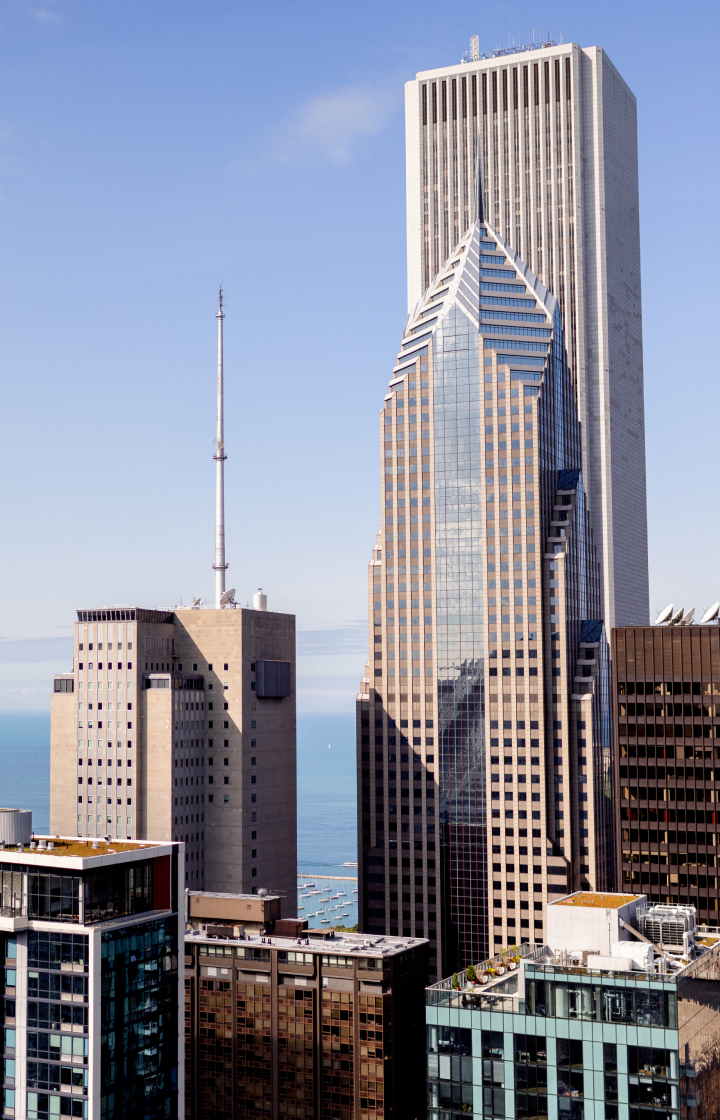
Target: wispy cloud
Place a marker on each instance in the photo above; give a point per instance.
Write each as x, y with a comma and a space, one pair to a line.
334, 123
330, 664
45, 15
329, 127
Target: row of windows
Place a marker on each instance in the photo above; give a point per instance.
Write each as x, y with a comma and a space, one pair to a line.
54, 1046
520, 672
119, 646
669, 710
108, 781
668, 688
109, 761
697, 773
670, 731
511, 315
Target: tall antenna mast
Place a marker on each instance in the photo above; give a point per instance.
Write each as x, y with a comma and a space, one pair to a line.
220, 566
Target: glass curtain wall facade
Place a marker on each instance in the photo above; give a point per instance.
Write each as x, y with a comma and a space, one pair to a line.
90, 997
139, 1047
574, 1046
578, 1043
484, 744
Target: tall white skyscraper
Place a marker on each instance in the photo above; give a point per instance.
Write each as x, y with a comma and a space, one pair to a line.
556, 132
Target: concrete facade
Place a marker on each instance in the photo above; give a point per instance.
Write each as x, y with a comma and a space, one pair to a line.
556, 132
262, 796
63, 759
160, 732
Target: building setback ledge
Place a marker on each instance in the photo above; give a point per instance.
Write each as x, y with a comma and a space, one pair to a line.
10, 925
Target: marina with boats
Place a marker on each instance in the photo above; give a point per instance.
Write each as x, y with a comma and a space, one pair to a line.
328, 900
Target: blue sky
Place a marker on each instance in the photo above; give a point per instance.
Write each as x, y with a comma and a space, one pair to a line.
148, 151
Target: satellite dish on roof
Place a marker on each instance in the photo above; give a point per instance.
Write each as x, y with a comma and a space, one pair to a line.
664, 615
196, 602
687, 618
677, 616
228, 597
710, 614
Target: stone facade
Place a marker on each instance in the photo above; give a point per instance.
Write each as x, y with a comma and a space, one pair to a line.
555, 129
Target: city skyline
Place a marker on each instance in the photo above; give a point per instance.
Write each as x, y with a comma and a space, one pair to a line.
83, 425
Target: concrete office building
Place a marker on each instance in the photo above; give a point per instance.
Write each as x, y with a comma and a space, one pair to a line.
556, 132
180, 725
284, 1022
667, 753
484, 768
91, 940
597, 1022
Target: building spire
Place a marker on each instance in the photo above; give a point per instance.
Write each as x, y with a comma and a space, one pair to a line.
220, 566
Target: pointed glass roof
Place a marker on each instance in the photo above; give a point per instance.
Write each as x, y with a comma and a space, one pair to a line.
501, 296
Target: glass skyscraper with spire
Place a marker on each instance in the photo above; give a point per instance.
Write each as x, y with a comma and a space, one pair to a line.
483, 720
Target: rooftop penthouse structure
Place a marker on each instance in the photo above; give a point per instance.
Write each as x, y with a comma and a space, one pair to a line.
615, 1017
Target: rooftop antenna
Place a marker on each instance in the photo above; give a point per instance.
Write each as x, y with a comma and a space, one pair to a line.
220, 566
475, 48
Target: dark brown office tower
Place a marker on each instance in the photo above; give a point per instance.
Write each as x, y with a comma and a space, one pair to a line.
666, 684
309, 1026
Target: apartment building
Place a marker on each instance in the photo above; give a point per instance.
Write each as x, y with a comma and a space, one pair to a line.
615, 1015
281, 1021
91, 937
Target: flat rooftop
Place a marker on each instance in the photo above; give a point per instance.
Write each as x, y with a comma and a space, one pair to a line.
342, 944
594, 898
76, 849
242, 897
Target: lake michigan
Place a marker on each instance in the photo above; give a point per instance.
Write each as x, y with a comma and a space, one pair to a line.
327, 815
